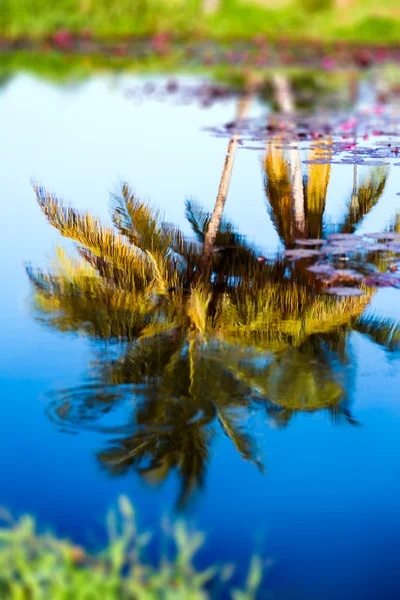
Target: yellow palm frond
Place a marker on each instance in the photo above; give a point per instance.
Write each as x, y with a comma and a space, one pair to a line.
316, 188
278, 189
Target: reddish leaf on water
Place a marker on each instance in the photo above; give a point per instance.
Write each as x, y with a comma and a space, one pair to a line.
346, 275
382, 280
172, 86
393, 247
344, 291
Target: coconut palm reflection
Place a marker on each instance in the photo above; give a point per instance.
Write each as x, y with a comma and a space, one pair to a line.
300, 214
200, 349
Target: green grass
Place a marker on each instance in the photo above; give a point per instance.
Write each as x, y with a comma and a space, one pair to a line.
40, 566
364, 20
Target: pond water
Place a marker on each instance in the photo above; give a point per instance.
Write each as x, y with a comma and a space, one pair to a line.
290, 447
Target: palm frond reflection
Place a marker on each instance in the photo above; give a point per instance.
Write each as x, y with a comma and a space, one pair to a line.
200, 350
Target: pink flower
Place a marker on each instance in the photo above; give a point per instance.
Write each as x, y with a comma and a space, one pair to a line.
159, 42
381, 55
349, 125
350, 146
63, 39
328, 63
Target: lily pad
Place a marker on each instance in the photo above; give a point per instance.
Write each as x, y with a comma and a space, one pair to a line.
346, 274
383, 235
310, 242
321, 269
343, 249
382, 280
377, 248
343, 236
300, 253
344, 291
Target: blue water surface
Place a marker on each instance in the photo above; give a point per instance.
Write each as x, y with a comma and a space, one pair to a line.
325, 514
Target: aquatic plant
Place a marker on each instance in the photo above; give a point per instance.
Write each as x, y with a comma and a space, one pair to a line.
37, 565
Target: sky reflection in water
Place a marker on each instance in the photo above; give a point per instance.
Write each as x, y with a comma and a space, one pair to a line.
310, 486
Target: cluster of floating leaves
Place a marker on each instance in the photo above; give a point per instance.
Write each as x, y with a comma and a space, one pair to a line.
205, 93
257, 52
346, 135
341, 249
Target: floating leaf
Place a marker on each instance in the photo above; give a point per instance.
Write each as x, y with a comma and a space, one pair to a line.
394, 247
346, 274
382, 280
344, 291
300, 253
310, 242
385, 235
321, 269
376, 248
338, 250
343, 236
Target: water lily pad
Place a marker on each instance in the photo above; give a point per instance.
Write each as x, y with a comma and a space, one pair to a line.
317, 161
393, 247
377, 248
382, 280
344, 291
346, 274
372, 163
343, 236
383, 235
338, 250
310, 242
300, 253
321, 269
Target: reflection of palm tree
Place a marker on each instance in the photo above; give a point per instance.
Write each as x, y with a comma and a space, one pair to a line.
315, 189
384, 332
281, 197
302, 210
216, 217
199, 352
365, 196
309, 378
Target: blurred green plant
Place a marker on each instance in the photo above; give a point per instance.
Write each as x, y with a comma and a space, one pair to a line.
314, 19
316, 5
40, 566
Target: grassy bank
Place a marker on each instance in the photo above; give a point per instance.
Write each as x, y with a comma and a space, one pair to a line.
358, 20
41, 566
